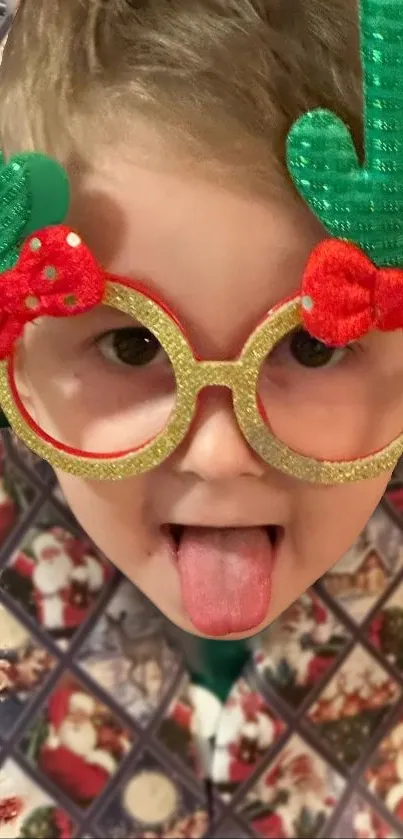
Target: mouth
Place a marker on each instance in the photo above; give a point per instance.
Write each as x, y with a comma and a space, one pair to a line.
225, 574
275, 532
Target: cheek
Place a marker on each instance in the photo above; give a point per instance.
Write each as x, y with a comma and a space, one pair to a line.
324, 523
328, 520
112, 513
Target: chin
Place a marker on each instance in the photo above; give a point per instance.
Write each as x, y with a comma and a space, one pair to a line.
184, 623
170, 604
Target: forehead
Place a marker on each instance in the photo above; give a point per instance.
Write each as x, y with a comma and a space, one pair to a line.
221, 259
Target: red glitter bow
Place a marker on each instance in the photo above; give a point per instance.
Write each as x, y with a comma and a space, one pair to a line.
344, 295
55, 275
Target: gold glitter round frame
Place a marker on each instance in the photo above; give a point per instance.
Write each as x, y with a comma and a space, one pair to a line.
192, 376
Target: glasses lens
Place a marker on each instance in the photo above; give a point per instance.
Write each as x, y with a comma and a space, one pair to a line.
333, 404
99, 383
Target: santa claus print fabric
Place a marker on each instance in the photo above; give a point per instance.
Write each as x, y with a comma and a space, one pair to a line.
101, 721
56, 577
128, 655
77, 742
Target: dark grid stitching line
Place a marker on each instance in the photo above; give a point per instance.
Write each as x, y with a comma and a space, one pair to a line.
26, 521
387, 506
298, 724
374, 803
358, 627
143, 744
281, 706
66, 664
242, 792
67, 659
246, 829
360, 790
47, 786
277, 704
143, 750
41, 473
249, 832
15, 473
295, 719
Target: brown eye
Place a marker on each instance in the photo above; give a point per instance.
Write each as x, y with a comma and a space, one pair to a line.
309, 352
133, 346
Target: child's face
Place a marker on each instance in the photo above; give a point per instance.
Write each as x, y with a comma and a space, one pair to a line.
220, 261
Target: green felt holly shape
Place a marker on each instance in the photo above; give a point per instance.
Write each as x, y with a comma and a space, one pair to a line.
34, 193
362, 203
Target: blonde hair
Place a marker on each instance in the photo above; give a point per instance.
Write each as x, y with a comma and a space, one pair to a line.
222, 79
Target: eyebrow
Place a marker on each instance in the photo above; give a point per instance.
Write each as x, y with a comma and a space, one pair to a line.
100, 319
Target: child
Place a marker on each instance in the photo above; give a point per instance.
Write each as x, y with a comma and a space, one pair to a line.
171, 120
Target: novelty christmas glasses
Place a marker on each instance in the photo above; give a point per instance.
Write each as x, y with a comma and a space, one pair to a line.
117, 394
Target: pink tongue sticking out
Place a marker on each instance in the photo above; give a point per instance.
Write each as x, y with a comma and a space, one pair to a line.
225, 577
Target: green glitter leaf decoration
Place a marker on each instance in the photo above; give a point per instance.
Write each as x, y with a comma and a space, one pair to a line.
362, 204
34, 193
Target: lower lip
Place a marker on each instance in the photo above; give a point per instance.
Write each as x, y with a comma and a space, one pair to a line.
251, 612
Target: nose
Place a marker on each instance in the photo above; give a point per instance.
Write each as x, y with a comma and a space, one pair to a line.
215, 449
